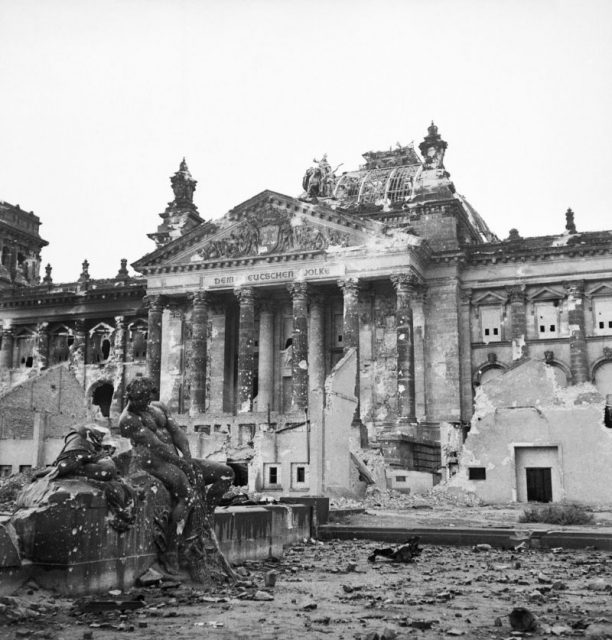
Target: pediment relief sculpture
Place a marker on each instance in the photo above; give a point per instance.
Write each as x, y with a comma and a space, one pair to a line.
267, 232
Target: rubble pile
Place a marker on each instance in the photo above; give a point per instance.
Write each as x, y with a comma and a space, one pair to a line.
441, 496
332, 590
11, 486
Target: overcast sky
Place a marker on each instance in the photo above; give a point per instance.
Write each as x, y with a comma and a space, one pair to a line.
100, 100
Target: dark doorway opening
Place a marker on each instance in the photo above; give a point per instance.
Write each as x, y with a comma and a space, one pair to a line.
103, 397
539, 484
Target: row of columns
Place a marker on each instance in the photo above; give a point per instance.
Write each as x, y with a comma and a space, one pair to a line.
42, 342
308, 365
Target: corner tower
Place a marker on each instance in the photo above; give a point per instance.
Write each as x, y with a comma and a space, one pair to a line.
181, 214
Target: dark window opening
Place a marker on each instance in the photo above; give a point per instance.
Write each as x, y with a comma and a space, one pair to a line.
105, 348
24, 467
609, 324
340, 338
202, 428
29, 361
477, 473
487, 332
70, 340
400, 478
288, 343
608, 416
601, 325
542, 328
495, 331
300, 474
103, 397
273, 475
552, 327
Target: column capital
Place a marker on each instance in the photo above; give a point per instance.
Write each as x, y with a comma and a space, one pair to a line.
408, 282
298, 290
465, 296
42, 327
245, 295
153, 302
199, 298
349, 286
7, 330
119, 321
79, 325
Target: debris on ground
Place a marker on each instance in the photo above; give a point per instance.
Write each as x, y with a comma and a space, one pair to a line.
406, 552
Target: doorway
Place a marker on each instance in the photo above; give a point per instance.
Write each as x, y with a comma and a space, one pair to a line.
539, 484
538, 474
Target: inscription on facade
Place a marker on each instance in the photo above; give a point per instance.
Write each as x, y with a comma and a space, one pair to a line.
268, 276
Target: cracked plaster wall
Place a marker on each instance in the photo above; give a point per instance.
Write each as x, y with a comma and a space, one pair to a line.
526, 408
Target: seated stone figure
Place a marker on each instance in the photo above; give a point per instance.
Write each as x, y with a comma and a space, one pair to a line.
158, 440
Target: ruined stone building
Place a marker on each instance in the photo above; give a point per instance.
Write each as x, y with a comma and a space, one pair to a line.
296, 332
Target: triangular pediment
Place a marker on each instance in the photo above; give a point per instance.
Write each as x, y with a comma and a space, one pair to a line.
489, 298
269, 224
545, 293
603, 289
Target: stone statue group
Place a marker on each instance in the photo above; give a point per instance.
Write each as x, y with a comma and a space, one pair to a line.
159, 447
320, 180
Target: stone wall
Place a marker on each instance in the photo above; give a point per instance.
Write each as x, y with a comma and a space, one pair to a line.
524, 419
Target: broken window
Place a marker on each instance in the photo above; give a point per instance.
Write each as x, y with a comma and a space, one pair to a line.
25, 344
5, 470
477, 473
602, 312
102, 397
59, 344
24, 467
547, 319
202, 428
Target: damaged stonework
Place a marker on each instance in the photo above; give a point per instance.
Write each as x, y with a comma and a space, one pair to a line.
532, 440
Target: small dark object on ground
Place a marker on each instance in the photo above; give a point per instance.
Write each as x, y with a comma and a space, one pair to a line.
562, 514
406, 552
96, 606
522, 619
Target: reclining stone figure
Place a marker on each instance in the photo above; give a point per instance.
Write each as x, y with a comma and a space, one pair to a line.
158, 440
87, 454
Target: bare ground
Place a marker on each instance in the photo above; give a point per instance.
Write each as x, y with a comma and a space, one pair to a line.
331, 591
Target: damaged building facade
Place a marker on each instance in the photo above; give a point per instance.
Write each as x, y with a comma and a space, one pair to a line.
298, 334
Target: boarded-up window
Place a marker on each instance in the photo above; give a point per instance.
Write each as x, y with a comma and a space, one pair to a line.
490, 322
602, 312
547, 320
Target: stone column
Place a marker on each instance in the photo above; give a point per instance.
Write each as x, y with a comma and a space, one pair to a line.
43, 345
518, 321
405, 288
6, 352
316, 341
154, 339
579, 363
266, 357
119, 353
80, 341
350, 339
299, 363
246, 343
216, 314
196, 372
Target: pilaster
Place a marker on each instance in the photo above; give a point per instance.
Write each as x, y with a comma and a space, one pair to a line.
579, 364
